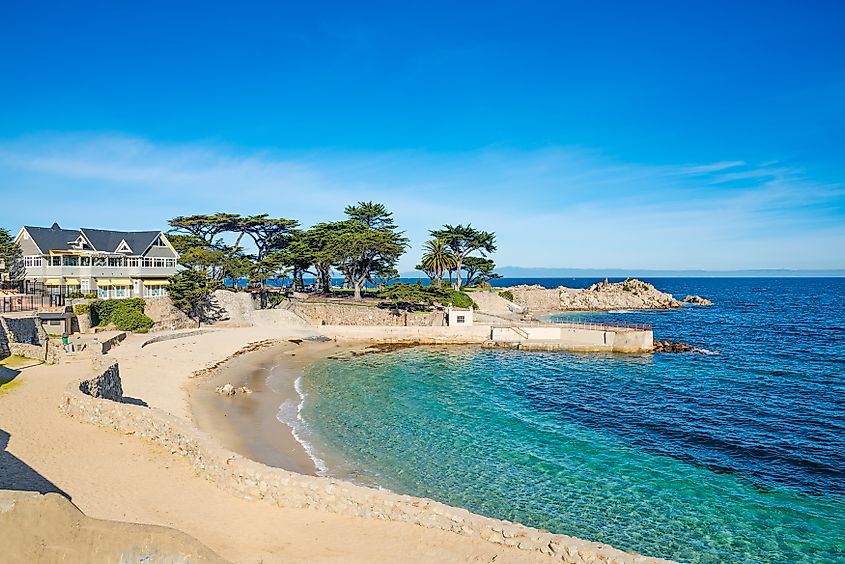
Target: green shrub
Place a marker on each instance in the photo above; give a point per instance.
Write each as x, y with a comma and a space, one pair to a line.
125, 315
81, 309
507, 294
460, 299
416, 297
131, 320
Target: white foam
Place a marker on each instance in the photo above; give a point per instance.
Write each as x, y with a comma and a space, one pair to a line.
291, 416
620, 311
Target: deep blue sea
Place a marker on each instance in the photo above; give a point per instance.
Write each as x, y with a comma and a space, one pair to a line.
733, 456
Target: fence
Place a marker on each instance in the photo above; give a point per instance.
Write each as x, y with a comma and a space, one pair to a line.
594, 326
28, 295
13, 303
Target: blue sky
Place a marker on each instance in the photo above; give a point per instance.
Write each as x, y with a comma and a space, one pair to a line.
600, 134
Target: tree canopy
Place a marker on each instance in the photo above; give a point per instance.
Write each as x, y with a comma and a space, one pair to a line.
463, 240
365, 248
11, 256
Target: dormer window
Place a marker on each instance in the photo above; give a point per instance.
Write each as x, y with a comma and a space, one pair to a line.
78, 244
123, 248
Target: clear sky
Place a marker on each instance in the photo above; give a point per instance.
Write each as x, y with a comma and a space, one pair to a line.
586, 134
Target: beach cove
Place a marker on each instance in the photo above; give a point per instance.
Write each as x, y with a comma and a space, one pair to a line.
158, 486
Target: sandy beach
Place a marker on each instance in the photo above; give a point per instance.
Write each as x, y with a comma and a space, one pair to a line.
110, 475
247, 423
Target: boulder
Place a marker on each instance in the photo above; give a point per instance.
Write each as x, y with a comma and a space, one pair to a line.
672, 346
226, 390
697, 300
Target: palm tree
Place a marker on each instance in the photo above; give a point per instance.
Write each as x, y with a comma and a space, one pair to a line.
438, 258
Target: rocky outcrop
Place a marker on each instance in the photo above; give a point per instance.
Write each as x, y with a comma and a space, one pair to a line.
107, 385
49, 528
672, 346
602, 296
697, 300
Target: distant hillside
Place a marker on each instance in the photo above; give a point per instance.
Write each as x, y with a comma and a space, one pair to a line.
528, 272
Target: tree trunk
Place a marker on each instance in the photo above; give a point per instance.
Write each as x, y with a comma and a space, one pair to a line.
458, 273
357, 285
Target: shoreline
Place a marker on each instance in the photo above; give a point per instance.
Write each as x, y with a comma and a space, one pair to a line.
249, 424
158, 468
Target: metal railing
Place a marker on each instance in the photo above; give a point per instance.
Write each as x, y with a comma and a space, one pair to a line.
591, 325
21, 302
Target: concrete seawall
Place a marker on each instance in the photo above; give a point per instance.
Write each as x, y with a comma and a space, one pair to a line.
248, 479
572, 338
549, 337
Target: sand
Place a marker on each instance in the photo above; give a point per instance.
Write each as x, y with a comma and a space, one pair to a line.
112, 476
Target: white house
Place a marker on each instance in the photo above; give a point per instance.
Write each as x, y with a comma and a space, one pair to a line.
112, 264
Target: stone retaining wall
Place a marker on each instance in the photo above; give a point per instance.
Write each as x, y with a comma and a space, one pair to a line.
251, 480
24, 336
462, 334
329, 313
4, 343
173, 336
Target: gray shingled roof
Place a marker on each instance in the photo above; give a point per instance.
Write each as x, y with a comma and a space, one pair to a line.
57, 239
109, 241
52, 238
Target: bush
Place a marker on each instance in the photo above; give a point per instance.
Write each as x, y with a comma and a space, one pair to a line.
416, 297
507, 294
125, 315
131, 320
81, 309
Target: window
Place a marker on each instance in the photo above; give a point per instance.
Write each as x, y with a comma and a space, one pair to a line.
85, 285
99, 261
56, 260
159, 242
170, 263
133, 262
31, 262
154, 291
103, 292
148, 263
461, 319
116, 261
70, 261
85, 261
118, 292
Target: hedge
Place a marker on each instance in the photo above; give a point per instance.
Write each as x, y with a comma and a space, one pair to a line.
125, 315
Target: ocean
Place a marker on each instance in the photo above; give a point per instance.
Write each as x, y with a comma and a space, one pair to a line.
736, 454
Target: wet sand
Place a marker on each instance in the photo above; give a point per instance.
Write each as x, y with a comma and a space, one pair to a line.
247, 423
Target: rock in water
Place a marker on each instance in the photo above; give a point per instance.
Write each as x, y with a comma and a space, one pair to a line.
672, 346
226, 390
698, 300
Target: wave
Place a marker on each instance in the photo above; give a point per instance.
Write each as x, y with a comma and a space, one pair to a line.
621, 311
291, 415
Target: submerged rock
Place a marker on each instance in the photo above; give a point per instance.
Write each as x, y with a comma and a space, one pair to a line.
697, 300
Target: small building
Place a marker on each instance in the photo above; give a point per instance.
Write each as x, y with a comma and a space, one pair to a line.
56, 323
458, 316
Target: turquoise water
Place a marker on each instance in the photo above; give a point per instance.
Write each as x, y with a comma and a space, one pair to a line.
736, 456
